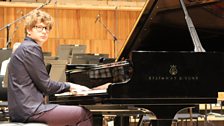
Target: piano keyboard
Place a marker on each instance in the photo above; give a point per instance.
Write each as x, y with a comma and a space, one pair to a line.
83, 93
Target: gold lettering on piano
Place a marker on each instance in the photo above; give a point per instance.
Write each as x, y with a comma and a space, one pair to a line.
173, 76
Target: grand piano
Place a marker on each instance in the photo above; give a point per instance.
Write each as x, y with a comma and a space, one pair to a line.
177, 59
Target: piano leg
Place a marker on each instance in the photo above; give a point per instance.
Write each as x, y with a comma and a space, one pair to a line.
161, 122
104, 120
121, 121
97, 120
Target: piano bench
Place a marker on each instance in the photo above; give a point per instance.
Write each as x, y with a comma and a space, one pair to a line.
5, 121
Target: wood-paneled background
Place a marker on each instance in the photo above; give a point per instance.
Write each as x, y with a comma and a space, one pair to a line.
74, 24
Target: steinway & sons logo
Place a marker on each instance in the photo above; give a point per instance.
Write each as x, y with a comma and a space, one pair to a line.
173, 71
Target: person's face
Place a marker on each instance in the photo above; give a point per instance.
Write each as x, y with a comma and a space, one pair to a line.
39, 33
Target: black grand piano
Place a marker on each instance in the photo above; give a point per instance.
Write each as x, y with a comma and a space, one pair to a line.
176, 63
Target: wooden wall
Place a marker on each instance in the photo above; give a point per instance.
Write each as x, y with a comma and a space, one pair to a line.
74, 24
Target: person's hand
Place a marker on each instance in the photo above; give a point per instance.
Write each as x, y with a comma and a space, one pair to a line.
78, 89
101, 87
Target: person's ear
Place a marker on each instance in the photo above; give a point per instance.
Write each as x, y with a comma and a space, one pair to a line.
28, 31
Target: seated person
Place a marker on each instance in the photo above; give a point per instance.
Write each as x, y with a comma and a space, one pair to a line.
28, 81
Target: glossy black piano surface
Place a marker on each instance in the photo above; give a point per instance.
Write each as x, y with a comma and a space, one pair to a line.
161, 42
162, 27
167, 73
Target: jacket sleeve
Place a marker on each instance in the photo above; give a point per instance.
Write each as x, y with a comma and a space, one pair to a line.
35, 66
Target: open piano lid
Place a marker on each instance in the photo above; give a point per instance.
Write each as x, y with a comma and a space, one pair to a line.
161, 26
162, 52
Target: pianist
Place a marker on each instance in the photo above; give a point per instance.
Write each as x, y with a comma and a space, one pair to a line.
29, 81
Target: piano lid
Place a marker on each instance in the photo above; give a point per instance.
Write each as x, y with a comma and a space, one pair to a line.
161, 26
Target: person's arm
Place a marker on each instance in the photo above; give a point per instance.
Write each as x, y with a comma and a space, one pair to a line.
35, 66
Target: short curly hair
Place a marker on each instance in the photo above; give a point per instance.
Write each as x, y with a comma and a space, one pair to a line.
38, 16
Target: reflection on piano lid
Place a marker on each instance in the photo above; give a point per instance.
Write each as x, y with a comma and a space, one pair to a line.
95, 75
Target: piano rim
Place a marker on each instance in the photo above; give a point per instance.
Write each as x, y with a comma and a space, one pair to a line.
106, 99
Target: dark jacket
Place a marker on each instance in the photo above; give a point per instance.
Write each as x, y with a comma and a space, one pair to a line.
29, 81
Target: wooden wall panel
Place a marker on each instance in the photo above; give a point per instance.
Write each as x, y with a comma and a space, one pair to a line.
1, 22
75, 26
